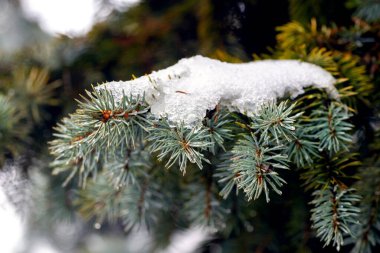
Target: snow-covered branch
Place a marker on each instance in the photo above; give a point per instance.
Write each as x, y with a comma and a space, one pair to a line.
184, 91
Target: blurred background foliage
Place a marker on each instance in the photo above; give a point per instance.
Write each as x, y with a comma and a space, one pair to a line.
40, 76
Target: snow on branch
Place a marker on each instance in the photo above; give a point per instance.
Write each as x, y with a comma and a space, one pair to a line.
184, 91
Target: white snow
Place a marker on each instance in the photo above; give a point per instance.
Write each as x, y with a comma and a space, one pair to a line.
184, 91
188, 241
12, 229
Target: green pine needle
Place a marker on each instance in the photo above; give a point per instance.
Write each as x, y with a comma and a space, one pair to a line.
333, 213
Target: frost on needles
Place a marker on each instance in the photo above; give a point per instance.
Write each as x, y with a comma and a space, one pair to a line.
223, 130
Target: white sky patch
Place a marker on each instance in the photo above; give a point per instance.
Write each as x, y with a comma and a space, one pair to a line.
184, 91
71, 17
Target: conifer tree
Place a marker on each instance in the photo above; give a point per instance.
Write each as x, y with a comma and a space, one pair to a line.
300, 173
119, 149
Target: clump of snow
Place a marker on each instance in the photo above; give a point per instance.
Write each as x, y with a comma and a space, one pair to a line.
184, 91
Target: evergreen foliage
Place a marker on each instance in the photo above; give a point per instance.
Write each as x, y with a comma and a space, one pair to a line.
368, 10
180, 144
119, 165
367, 231
10, 130
23, 99
255, 151
311, 135
333, 213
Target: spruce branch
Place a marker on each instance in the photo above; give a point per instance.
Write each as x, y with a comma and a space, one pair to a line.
137, 204
367, 10
367, 232
218, 127
254, 162
226, 175
117, 143
330, 170
128, 115
13, 131
255, 157
333, 213
275, 120
303, 149
179, 143
203, 208
332, 128
32, 91
98, 131
143, 205
116, 139
101, 200
125, 170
